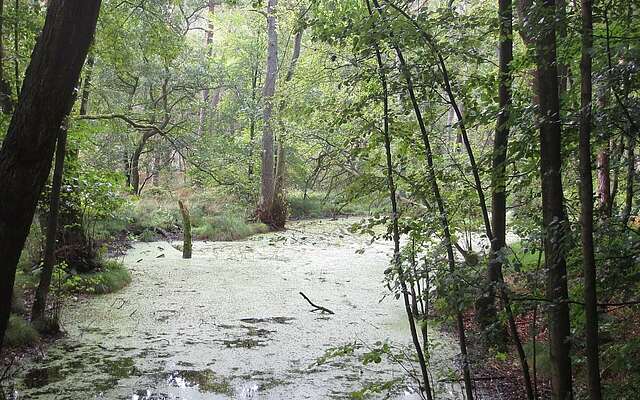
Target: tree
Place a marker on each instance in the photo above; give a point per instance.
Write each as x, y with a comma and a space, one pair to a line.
271, 208
586, 200
27, 150
554, 218
49, 262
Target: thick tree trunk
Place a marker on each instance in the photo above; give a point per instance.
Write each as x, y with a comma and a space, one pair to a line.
555, 224
27, 150
267, 186
586, 200
42, 292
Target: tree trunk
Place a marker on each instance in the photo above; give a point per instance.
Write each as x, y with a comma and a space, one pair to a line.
135, 167
435, 188
279, 208
267, 190
604, 181
86, 87
42, 292
397, 262
252, 125
186, 226
206, 92
631, 172
586, 200
603, 167
555, 224
27, 150
487, 316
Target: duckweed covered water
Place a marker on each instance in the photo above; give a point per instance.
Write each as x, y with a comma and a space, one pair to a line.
230, 323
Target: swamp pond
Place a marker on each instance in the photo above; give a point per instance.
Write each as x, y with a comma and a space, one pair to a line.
230, 323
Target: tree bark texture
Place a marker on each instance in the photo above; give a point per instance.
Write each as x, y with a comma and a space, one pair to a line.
267, 178
554, 218
27, 150
586, 203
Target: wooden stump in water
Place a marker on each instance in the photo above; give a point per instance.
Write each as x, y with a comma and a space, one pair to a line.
186, 225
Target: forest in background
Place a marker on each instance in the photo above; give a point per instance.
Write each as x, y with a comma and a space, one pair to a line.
494, 141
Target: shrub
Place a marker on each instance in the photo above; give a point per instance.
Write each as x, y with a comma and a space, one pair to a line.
112, 277
227, 228
20, 332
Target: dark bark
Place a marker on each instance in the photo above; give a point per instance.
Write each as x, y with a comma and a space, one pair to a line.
135, 161
586, 200
27, 150
49, 262
499, 198
486, 307
554, 219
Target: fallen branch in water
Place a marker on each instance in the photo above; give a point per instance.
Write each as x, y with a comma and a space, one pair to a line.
316, 307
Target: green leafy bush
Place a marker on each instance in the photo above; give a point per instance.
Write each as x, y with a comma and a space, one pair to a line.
20, 332
112, 277
227, 228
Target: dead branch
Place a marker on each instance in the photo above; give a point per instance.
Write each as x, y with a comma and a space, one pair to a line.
316, 307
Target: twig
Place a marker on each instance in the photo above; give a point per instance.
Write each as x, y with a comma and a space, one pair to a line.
316, 307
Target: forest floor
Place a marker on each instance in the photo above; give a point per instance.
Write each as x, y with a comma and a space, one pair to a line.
230, 323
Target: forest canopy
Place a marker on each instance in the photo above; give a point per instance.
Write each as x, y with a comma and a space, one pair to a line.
492, 144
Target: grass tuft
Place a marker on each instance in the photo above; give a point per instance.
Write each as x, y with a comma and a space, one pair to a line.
20, 333
228, 228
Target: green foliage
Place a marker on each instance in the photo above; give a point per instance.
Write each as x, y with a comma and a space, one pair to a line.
20, 333
375, 388
112, 277
227, 228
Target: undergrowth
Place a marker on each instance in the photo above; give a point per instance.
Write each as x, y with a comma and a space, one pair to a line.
20, 332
